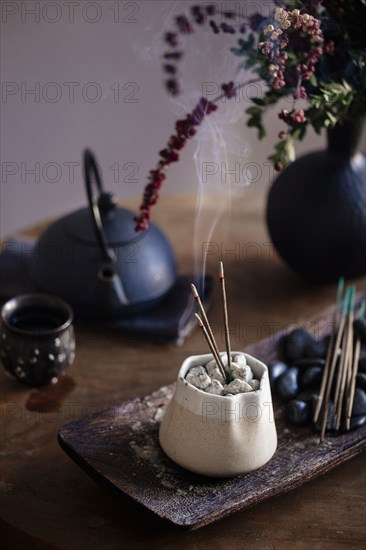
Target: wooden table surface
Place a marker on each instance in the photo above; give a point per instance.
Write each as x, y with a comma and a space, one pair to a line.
48, 502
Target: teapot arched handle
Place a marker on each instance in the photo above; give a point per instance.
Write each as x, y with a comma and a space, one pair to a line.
107, 272
91, 168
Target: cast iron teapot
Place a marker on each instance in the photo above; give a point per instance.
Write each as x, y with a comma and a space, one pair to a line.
94, 259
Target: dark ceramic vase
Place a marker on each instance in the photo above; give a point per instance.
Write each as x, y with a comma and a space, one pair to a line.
316, 210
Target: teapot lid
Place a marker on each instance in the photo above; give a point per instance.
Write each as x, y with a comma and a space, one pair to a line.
103, 223
118, 223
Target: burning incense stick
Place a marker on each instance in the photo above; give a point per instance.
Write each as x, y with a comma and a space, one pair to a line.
226, 317
207, 325
210, 344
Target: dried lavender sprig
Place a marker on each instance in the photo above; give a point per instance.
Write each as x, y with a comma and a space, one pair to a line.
185, 129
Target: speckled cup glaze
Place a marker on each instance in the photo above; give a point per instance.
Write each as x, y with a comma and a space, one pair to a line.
36, 354
216, 435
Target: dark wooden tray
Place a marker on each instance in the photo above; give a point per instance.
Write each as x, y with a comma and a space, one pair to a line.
119, 449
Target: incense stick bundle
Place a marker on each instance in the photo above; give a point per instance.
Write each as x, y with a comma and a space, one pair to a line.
341, 366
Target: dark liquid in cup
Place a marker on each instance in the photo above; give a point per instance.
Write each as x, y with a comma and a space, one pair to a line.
36, 320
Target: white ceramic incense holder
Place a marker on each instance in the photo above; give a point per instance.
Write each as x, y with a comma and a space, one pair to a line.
219, 436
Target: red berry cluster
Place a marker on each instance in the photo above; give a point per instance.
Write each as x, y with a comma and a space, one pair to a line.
293, 117
277, 34
300, 93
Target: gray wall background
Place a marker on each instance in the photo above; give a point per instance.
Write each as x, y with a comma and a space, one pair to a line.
77, 74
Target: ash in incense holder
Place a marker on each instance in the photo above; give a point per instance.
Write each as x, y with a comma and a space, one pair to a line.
220, 421
210, 379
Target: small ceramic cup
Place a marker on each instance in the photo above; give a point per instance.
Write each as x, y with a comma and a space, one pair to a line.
37, 340
216, 435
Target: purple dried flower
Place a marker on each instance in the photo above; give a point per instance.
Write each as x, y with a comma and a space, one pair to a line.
214, 27
230, 14
171, 39
170, 69
229, 90
198, 15
227, 28
210, 9
172, 86
173, 55
183, 24
256, 21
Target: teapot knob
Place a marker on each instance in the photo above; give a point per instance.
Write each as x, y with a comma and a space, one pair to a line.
107, 204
